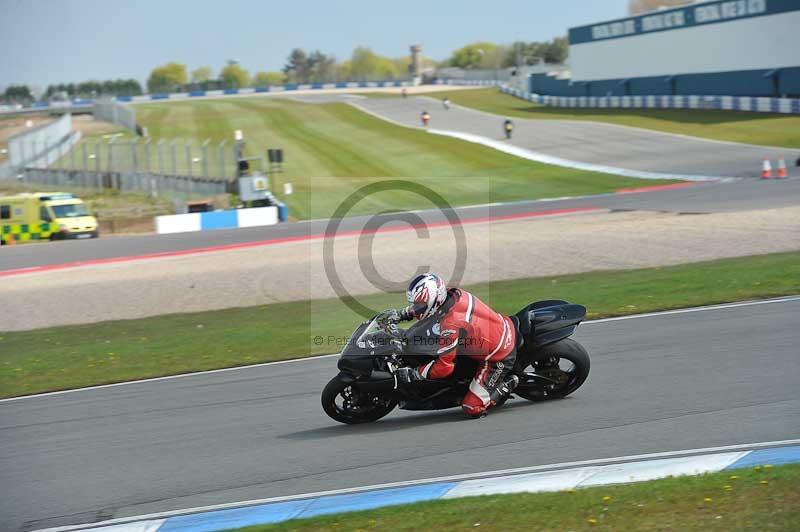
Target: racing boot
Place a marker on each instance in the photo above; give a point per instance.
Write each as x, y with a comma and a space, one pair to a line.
498, 396
501, 393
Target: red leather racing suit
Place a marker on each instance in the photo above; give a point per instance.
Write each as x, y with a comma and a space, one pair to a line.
468, 327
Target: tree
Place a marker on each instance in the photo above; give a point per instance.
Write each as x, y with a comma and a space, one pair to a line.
167, 77
344, 71
478, 55
367, 65
296, 68
18, 94
233, 76
321, 67
531, 53
556, 51
201, 75
265, 79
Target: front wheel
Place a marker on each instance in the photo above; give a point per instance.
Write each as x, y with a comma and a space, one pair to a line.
346, 404
563, 366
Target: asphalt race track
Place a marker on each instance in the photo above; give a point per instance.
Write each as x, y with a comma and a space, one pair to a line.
747, 194
592, 142
686, 380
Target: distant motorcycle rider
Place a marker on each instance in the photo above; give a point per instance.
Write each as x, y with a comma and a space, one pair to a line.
508, 127
465, 326
425, 117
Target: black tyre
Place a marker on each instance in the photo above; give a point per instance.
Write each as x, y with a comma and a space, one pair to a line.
565, 363
347, 404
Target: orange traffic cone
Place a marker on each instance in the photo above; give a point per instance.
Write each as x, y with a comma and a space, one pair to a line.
766, 169
781, 173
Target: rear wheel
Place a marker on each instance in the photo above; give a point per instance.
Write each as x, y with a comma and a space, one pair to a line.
563, 366
347, 404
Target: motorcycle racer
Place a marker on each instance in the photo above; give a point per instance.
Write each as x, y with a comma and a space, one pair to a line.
464, 326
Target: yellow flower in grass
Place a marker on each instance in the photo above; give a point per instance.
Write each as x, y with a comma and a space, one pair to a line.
764, 482
606, 498
707, 499
592, 521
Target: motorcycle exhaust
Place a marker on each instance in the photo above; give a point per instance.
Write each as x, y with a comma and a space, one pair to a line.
379, 381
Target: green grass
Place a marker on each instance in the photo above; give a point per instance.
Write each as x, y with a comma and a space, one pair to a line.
757, 499
764, 129
76, 356
333, 149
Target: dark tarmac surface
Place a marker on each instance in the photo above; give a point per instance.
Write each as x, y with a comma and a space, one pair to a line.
668, 382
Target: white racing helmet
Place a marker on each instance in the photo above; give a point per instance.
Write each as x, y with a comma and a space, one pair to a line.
426, 293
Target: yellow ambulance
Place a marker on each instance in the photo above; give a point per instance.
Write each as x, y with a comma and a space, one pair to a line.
44, 216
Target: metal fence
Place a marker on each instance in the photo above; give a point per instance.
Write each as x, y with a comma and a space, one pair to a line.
172, 186
110, 111
178, 168
123, 154
42, 145
175, 168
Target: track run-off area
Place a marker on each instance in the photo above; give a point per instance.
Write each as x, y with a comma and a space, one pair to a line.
705, 377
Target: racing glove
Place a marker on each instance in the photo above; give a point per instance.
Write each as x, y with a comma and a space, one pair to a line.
408, 375
391, 317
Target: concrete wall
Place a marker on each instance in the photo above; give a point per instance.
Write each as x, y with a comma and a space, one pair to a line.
206, 221
38, 146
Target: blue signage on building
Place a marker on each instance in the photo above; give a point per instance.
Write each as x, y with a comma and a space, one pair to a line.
691, 15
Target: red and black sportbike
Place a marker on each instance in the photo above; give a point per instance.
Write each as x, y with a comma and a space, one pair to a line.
549, 364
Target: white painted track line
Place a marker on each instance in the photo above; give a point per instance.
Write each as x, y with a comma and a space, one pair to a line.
452, 478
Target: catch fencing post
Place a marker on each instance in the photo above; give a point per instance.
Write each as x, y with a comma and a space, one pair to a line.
134, 158
96, 154
222, 174
110, 153
188, 146
44, 154
160, 148
85, 158
204, 155
147, 155
174, 158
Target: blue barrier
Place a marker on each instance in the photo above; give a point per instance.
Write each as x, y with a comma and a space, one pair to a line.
218, 220
720, 103
283, 211
200, 93
732, 83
